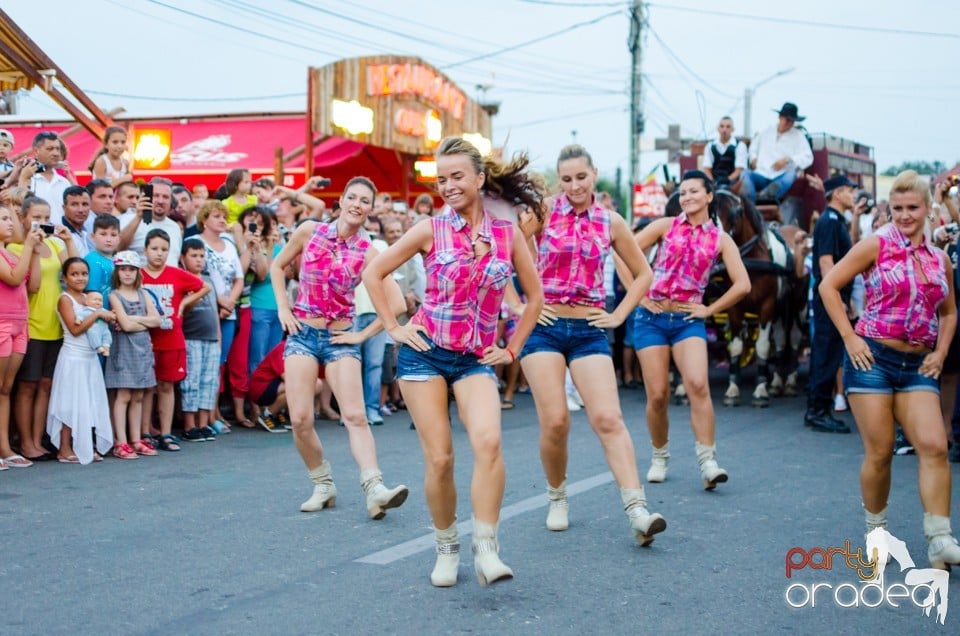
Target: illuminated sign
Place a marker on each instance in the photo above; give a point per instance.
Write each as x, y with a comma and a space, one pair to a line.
415, 79
426, 169
481, 143
151, 149
352, 117
415, 123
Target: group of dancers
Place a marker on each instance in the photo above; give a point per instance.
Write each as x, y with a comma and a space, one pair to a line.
557, 251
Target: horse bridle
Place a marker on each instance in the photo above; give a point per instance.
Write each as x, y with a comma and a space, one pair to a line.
735, 213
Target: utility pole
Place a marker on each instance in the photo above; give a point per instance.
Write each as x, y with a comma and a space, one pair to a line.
635, 45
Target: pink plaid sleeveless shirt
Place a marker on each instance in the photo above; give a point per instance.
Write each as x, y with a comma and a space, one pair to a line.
571, 253
685, 259
329, 272
904, 289
462, 302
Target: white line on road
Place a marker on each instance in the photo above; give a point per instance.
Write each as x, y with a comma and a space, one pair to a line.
465, 528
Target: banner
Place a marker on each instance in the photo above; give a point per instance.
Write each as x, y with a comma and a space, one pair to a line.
649, 199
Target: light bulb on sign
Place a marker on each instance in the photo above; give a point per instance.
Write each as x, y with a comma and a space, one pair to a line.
434, 128
352, 117
151, 149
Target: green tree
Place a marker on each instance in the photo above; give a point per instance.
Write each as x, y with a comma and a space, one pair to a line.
922, 167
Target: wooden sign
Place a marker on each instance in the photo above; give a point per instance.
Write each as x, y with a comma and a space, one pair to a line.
394, 102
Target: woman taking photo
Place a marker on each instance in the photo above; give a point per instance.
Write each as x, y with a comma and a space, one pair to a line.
331, 256
573, 243
671, 316
895, 355
469, 257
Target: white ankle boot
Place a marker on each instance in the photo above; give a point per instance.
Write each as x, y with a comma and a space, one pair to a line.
658, 464
448, 557
557, 515
486, 554
710, 471
644, 523
324, 491
379, 497
874, 520
942, 548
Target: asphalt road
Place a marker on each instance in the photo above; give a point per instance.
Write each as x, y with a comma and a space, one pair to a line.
211, 541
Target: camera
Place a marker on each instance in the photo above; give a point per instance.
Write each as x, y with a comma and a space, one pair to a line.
952, 229
954, 179
40, 167
252, 227
323, 183
47, 228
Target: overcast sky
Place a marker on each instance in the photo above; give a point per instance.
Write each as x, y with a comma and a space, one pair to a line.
884, 74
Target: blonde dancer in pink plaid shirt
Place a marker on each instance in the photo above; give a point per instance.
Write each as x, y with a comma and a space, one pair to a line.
469, 258
572, 245
892, 365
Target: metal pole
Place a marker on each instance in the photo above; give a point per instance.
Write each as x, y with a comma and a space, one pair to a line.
636, 109
747, 108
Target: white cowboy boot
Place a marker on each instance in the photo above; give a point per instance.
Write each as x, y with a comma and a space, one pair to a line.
324, 491
557, 515
942, 548
710, 472
379, 497
644, 523
658, 464
448, 557
486, 554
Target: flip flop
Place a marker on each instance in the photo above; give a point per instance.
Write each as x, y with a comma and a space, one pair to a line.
72, 459
18, 461
3, 465
245, 423
506, 405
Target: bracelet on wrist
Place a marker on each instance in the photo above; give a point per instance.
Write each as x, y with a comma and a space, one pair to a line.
513, 356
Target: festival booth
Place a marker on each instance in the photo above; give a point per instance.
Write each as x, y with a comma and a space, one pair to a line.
381, 117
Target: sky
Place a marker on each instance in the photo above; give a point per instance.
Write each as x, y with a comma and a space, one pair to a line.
878, 72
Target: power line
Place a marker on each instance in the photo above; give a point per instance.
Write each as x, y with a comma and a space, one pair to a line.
546, 120
572, 27
576, 4
197, 99
679, 61
810, 23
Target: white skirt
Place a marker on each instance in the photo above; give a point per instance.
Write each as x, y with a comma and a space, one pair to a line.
78, 399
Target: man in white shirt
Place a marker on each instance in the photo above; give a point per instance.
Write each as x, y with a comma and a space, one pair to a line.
725, 158
45, 182
776, 156
133, 229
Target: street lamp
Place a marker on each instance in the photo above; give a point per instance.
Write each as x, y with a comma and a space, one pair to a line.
748, 98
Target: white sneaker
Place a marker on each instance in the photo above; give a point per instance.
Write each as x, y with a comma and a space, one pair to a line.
839, 403
572, 404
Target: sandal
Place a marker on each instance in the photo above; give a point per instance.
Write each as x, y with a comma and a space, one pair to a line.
506, 405
142, 447
17, 461
246, 423
124, 451
169, 443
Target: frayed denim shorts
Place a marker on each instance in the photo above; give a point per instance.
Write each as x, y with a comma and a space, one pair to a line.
437, 362
572, 337
315, 343
892, 372
664, 329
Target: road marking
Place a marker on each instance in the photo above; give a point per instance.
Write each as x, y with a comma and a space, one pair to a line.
465, 528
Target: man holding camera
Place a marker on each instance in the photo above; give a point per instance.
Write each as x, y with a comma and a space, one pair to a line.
152, 213
43, 178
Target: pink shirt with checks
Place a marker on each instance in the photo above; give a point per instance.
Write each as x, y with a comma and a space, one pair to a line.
330, 269
685, 258
571, 253
904, 289
462, 302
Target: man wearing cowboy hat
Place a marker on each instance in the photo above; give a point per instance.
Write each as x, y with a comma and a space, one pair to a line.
776, 156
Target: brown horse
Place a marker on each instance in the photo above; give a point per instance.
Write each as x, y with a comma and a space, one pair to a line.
768, 263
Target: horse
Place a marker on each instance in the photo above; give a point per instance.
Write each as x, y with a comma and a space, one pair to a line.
769, 265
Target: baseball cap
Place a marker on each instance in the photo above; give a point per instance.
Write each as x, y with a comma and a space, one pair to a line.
6, 135
128, 258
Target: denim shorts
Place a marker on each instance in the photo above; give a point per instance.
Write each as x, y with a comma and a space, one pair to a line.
421, 366
572, 337
314, 342
892, 372
666, 328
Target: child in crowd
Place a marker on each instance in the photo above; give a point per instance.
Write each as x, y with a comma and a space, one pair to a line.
109, 163
106, 238
6, 147
130, 369
201, 329
267, 390
237, 188
79, 416
98, 335
176, 291
17, 275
